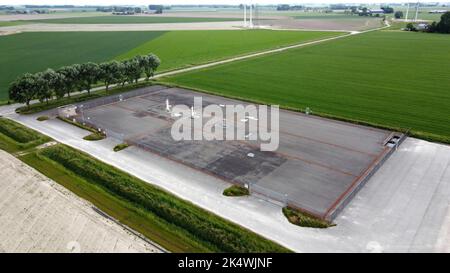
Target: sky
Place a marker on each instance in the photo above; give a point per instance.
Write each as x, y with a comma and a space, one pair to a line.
186, 2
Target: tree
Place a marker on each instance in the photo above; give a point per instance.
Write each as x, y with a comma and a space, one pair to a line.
24, 89
411, 27
110, 73
387, 10
89, 73
45, 81
122, 74
398, 14
149, 64
444, 25
133, 70
364, 12
60, 86
70, 75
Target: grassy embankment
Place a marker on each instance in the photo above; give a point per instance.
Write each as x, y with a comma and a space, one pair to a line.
15, 137
169, 221
372, 78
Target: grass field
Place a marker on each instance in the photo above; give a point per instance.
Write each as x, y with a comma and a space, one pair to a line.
393, 79
32, 52
131, 20
184, 48
11, 23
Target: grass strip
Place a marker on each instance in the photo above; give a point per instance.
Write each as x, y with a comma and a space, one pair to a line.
14, 137
42, 106
156, 229
207, 228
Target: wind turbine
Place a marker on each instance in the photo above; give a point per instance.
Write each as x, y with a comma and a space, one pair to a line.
407, 12
417, 12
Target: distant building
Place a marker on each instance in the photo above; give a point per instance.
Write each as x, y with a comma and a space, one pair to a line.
370, 12
376, 11
422, 26
438, 11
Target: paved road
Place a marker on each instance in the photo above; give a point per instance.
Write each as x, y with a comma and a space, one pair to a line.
404, 207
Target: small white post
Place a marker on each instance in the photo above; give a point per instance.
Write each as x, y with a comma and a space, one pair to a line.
192, 112
167, 105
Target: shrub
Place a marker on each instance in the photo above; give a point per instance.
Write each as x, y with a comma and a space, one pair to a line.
18, 132
304, 220
120, 147
42, 118
235, 191
94, 137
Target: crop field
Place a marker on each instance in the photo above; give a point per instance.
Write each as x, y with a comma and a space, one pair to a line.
383, 78
32, 52
185, 48
11, 23
117, 19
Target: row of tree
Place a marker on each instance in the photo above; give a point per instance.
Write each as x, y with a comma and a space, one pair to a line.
79, 77
443, 26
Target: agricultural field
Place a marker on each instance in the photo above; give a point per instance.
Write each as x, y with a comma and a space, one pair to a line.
11, 23
32, 52
183, 48
131, 20
384, 78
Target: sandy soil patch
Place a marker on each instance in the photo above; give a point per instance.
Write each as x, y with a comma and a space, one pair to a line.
38, 215
325, 24
15, 17
123, 27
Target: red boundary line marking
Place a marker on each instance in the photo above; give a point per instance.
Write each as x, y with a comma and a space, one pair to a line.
357, 181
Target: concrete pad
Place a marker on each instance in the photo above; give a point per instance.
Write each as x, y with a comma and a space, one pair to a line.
321, 160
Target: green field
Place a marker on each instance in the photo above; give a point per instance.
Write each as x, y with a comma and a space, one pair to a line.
32, 52
394, 79
184, 48
11, 23
123, 19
